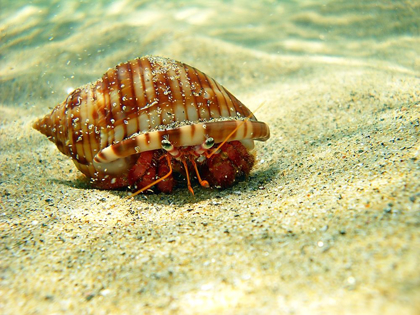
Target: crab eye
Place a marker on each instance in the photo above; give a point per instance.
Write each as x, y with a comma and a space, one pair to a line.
167, 145
208, 143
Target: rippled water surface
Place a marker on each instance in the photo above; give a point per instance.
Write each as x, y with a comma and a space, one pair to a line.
48, 46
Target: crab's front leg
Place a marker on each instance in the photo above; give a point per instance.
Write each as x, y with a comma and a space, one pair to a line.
143, 171
166, 185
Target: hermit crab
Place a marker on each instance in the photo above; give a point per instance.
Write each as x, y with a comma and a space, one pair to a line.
152, 121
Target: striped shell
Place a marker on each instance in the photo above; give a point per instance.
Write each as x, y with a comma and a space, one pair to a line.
136, 105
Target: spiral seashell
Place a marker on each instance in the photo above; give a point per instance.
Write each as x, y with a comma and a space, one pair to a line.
104, 125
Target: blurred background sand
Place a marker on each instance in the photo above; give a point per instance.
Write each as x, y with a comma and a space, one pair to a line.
328, 221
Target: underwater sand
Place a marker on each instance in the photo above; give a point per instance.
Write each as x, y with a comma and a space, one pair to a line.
327, 223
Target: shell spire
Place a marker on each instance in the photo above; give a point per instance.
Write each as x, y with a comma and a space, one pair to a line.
51, 125
43, 125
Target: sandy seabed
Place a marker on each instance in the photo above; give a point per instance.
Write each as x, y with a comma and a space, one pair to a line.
327, 223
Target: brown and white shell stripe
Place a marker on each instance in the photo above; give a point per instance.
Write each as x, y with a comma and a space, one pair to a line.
137, 104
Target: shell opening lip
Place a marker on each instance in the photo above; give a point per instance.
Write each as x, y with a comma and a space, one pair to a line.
183, 136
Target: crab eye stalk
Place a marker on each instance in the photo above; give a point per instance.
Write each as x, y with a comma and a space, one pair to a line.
208, 144
167, 145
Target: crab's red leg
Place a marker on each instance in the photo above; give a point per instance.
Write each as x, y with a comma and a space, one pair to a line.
156, 181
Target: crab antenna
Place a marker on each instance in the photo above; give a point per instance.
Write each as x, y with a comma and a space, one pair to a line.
156, 181
234, 130
228, 137
203, 183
